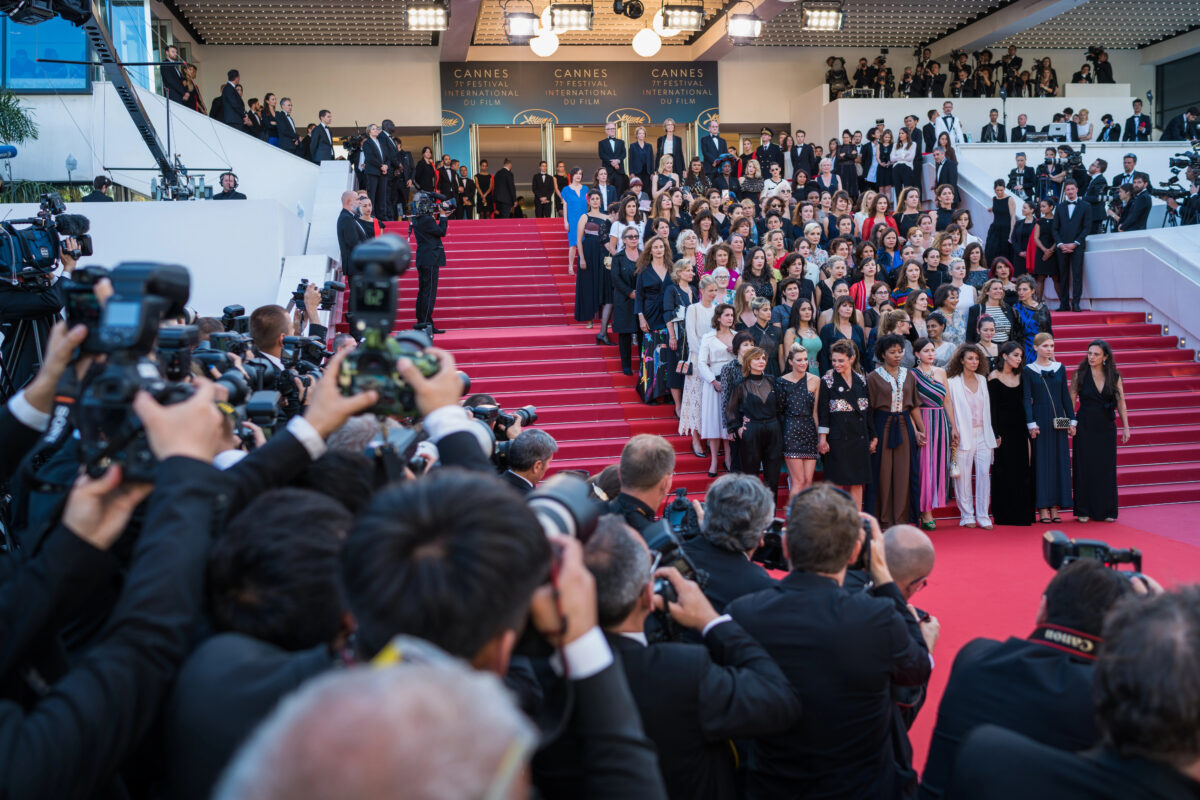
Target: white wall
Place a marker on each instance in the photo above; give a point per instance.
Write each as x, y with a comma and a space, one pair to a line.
366, 84
234, 250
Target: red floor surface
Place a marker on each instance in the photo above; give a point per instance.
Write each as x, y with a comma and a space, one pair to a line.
506, 299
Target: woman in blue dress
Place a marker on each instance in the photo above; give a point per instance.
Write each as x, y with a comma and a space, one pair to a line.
1047, 399
575, 196
1034, 316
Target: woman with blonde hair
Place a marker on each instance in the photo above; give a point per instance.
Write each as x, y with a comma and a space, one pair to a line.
665, 177
752, 183
698, 321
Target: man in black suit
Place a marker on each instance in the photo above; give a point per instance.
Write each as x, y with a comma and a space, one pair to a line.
993, 131
405, 172
445, 178
395, 173
543, 192
233, 110
99, 188
647, 470
669, 144
1093, 193
172, 76
1136, 213
843, 652
802, 156
1022, 179
430, 258
504, 190
611, 151
256, 127
229, 185
289, 137
929, 130
349, 233
1071, 226
467, 204
529, 457
1147, 711
1138, 126
320, 140
1182, 127
1039, 686
1023, 130
737, 510
375, 168
712, 147
945, 171
1110, 131
692, 698
934, 83
768, 152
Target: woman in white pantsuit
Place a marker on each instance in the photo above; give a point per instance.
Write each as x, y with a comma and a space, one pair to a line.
975, 441
714, 354
697, 322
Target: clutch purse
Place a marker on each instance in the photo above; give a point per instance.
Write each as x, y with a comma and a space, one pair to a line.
954, 472
1062, 423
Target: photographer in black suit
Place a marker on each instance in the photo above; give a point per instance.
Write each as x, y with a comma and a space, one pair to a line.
1136, 212
1071, 225
1182, 127
430, 258
692, 698
529, 457
1039, 686
1147, 709
843, 652
737, 510
647, 471
233, 110
1093, 194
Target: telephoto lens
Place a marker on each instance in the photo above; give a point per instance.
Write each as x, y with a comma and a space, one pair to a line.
566, 506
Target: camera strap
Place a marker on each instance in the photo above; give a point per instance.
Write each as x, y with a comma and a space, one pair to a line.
1077, 643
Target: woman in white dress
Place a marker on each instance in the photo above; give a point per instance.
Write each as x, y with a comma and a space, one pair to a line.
697, 324
714, 354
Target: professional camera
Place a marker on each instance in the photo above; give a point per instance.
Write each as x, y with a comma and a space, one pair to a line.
374, 268
1093, 53
681, 516
173, 350
1170, 190
770, 552
666, 551
566, 506
82, 305
1073, 160
329, 293
28, 255
1058, 550
431, 203
393, 449
109, 431
235, 318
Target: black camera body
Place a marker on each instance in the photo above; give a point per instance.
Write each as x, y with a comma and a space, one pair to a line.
173, 350
667, 551
1059, 550
770, 552
682, 517
432, 203
234, 318
81, 304
329, 293
1093, 53
28, 254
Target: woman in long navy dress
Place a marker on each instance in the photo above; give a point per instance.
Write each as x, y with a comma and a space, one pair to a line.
653, 277
1098, 388
1047, 400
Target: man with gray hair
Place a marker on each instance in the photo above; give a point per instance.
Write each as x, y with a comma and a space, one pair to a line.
529, 458
647, 470
737, 511
349, 233
433, 730
692, 698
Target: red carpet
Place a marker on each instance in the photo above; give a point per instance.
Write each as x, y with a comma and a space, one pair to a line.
506, 299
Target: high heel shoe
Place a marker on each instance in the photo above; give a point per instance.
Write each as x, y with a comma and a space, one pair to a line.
603, 339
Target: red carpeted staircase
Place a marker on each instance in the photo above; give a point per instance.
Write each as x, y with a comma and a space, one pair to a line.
506, 301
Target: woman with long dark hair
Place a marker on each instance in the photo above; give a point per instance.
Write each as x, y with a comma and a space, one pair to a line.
894, 496
715, 352
847, 154
972, 410
938, 420
425, 173
752, 417
1004, 214
1032, 315
1050, 416
1041, 258
1098, 389
846, 436
270, 108
797, 391
1012, 477
592, 234
653, 277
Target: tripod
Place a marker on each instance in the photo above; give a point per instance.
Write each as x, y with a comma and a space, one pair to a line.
20, 337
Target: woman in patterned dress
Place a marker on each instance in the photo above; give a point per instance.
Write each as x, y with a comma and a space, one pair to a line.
653, 277
897, 422
939, 432
845, 432
797, 395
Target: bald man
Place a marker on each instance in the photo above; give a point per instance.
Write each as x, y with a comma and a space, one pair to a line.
349, 232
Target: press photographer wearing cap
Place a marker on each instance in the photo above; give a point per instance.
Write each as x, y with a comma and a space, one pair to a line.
692, 698
842, 651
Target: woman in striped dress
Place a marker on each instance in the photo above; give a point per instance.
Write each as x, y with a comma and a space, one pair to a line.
939, 432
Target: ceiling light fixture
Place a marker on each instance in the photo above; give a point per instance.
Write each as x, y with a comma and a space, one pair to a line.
743, 28
570, 17
661, 29
629, 8
519, 26
646, 43
683, 16
428, 17
818, 16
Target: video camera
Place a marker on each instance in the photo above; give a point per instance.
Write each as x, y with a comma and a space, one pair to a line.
374, 269
1189, 160
329, 293
666, 551
1093, 53
1058, 550
431, 203
28, 255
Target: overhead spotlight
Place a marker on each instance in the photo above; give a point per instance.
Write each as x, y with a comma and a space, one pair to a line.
570, 17
819, 16
428, 17
683, 16
634, 9
660, 28
743, 28
519, 26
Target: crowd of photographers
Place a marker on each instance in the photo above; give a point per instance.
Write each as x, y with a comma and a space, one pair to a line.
238, 565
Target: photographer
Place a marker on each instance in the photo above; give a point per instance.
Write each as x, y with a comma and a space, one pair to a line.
692, 698
647, 471
1094, 191
431, 257
99, 191
1147, 710
270, 324
737, 511
1039, 686
842, 651
1104, 73
1136, 213
1182, 127
529, 458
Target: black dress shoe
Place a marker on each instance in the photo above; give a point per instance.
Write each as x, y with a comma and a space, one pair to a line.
439, 330
1063, 307
603, 339
1075, 306
626, 371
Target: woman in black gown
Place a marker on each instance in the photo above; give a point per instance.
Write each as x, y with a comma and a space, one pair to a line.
844, 165
653, 277
623, 274
752, 417
1098, 389
845, 434
1000, 230
561, 179
425, 173
1042, 250
593, 236
1012, 487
